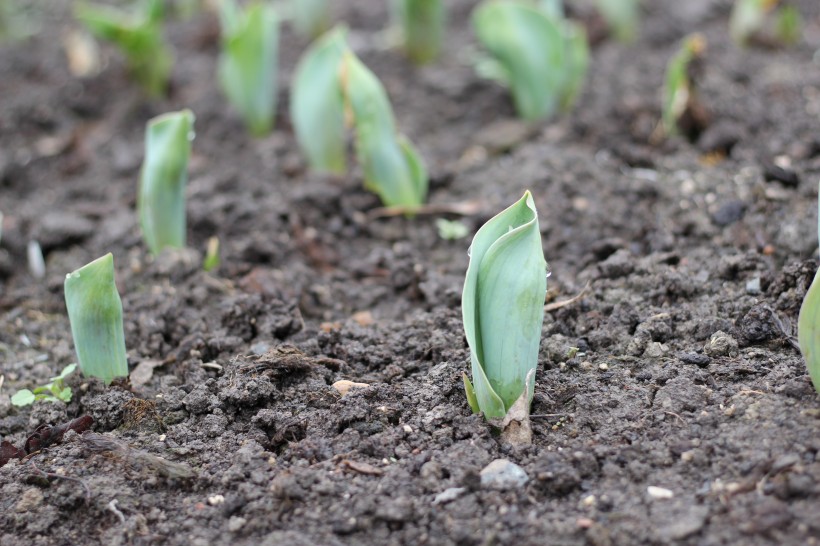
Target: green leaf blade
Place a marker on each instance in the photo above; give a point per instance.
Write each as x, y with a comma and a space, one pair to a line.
95, 313
317, 105
164, 175
422, 26
23, 397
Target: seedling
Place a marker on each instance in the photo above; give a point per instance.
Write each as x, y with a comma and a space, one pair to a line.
450, 230
331, 89
622, 17
539, 55
139, 37
248, 62
421, 23
503, 309
680, 93
161, 197
211, 260
808, 326
749, 17
310, 17
53, 391
95, 314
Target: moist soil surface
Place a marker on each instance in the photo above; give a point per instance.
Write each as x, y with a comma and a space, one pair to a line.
686, 416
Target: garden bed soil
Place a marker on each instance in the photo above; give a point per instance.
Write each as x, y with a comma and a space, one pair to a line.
692, 259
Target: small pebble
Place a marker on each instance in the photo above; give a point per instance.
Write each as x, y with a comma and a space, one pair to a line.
753, 286
502, 474
448, 495
659, 492
215, 500
236, 523
344, 386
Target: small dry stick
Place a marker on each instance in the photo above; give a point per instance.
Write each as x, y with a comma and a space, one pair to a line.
559, 304
48, 475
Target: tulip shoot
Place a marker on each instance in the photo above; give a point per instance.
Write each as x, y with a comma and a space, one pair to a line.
95, 313
161, 197
808, 327
679, 90
621, 16
421, 23
248, 62
332, 88
503, 309
539, 55
139, 37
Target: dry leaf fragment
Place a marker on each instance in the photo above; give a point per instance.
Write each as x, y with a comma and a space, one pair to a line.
362, 468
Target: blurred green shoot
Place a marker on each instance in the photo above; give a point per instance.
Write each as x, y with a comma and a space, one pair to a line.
541, 56
53, 391
769, 22
331, 89
311, 18
211, 260
421, 23
808, 327
95, 313
451, 230
788, 26
138, 35
679, 89
622, 17
248, 62
161, 197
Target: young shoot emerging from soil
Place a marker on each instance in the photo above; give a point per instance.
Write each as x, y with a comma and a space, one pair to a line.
161, 196
52, 391
503, 310
748, 23
808, 326
95, 313
248, 62
139, 37
332, 88
682, 111
540, 55
421, 23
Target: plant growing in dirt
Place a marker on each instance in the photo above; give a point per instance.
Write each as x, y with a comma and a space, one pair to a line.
95, 313
332, 88
248, 62
138, 35
682, 111
541, 56
621, 16
503, 309
53, 391
310, 17
161, 196
421, 23
750, 17
808, 326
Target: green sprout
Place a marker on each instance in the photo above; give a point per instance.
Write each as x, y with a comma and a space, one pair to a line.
503, 309
749, 17
95, 313
451, 230
808, 326
333, 88
622, 16
421, 23
53, 391
211, 260
679, 90
161, 197
541, 56
248, 62
139, 37
310, 17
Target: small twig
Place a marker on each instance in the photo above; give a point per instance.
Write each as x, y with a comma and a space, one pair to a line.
675, 415
113, 507
48, 475
467, 208
559, 304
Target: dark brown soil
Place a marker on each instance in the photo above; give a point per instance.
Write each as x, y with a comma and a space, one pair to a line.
687, 377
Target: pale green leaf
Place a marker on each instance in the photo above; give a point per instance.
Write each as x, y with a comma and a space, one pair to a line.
95, 312
248, 63
22, 397
808, 325
422, 27
503, 305
317, 105
530, 46
161, 196
622, 16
